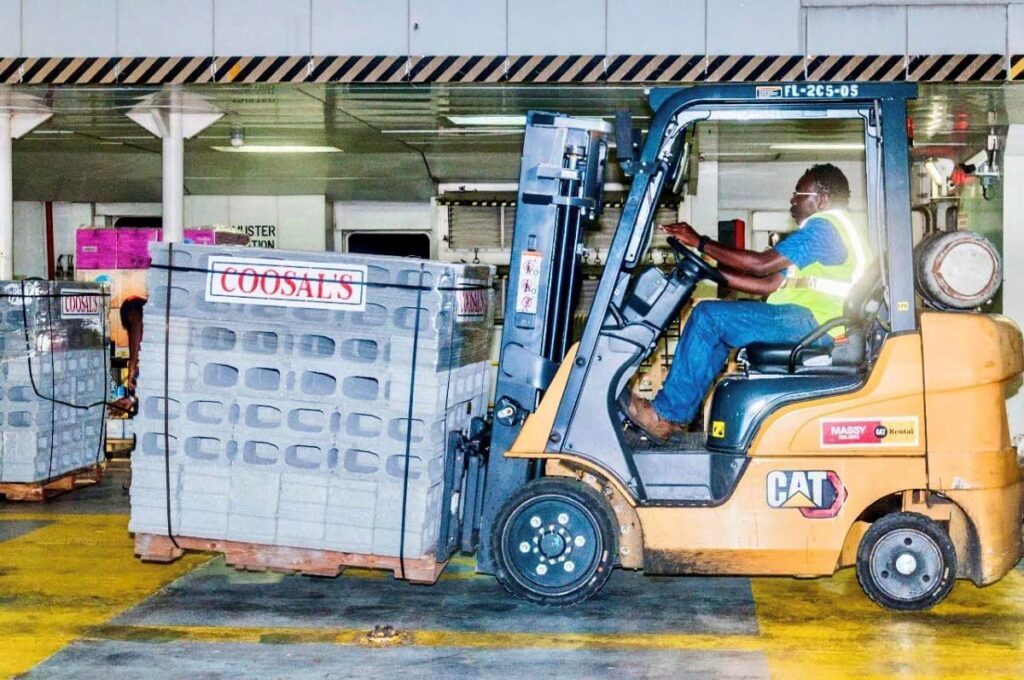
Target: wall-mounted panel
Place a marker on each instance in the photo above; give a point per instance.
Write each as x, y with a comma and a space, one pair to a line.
656, 27
10, 28
559, 27
956, 30
361, 27
446, 27
859, 30
754, 27
1016, 28
268, 27
143, 28
69, 28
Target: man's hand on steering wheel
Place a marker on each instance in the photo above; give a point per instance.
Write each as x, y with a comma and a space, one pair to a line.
683, 232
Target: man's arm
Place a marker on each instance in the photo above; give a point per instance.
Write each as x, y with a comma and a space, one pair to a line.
755, 285
749, 262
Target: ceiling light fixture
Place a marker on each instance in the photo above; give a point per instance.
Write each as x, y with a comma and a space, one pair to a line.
489, 120
280, 148
818, 146
53, 132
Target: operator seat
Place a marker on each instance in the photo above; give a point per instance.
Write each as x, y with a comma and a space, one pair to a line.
848, 355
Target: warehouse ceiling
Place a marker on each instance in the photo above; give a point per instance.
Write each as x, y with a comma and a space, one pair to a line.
397, 142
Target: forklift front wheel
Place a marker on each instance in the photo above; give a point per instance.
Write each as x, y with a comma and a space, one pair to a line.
906, 562
554, 542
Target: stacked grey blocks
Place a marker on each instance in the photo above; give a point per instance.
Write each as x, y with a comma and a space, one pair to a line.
50, 354
288, 425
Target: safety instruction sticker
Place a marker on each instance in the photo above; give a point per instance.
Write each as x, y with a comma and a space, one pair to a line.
286, 283
817, 494
882, 431
529, 282
80, 304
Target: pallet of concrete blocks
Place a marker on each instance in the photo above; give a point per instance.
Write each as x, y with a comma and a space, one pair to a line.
53, 365
296, 407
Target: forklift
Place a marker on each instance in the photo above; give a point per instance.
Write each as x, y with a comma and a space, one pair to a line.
889, 453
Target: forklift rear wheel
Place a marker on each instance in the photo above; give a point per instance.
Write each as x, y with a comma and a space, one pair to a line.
906, 562
554, 542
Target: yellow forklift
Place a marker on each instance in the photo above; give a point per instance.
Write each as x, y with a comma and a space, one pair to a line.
889, 453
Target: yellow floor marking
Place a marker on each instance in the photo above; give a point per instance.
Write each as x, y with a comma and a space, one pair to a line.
426, 638
828, 628
62, 578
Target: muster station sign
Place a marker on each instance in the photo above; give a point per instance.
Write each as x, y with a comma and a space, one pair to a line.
286, 283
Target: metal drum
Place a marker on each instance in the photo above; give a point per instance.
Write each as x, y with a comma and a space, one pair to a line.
957, 270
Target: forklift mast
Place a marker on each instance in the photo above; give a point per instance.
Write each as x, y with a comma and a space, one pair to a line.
560, 187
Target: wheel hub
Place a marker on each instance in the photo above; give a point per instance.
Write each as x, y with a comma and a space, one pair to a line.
552, 543
906, 564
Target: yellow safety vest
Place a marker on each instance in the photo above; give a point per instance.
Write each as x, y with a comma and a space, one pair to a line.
823, 288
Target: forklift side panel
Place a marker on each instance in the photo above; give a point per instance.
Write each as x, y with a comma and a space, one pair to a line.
773, 523
883, 418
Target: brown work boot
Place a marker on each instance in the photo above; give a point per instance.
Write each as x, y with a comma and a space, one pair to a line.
642, 414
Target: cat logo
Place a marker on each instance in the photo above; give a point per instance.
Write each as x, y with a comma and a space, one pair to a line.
816, 494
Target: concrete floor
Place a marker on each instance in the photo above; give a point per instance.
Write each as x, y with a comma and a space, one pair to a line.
74, 602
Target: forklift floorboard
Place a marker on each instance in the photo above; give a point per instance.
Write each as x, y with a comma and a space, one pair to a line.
74, 602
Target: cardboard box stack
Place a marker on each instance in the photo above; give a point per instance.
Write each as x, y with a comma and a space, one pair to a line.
52, 359
287, 380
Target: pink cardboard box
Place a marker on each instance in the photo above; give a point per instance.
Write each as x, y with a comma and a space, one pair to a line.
95, 248
133, 247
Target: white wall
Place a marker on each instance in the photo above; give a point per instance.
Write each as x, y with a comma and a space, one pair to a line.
29, 239
1013, 255
95, 28
300, 221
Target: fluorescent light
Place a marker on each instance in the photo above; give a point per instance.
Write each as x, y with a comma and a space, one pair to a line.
492, 120
279, 148
53, 132
815, 146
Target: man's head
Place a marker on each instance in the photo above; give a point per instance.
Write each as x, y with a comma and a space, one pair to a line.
822, 187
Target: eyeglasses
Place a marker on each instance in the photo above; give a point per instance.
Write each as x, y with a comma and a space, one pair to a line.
806, 193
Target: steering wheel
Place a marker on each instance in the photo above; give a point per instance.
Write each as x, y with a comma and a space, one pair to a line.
684, 255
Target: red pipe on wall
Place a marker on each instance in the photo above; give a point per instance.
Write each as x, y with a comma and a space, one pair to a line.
51, 258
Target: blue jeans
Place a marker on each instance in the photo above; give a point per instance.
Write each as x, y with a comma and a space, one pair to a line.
713, 329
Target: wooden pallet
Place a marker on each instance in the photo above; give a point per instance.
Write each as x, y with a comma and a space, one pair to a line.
40, 491
262, 557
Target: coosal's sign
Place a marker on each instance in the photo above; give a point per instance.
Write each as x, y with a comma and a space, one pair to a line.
286, 283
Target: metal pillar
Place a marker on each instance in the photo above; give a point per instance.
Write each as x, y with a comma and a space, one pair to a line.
19, 114
174, 115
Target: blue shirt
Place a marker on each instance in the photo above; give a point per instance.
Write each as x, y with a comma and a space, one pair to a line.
817, 241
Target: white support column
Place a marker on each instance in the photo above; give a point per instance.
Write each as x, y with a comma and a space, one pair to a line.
174, 115
19, 114
174, 179
6, 199
1013, 258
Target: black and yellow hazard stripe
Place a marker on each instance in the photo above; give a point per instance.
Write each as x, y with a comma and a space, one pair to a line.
1016, 67
552, 69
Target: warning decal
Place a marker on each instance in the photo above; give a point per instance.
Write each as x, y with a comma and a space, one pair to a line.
885, 431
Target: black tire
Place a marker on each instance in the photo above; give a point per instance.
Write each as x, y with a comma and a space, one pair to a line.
906, 562
554, 542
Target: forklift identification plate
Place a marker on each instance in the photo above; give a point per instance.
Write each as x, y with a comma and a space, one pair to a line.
286, 283
882, 431
529, 282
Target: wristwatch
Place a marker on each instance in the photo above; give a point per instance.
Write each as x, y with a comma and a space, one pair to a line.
703, 242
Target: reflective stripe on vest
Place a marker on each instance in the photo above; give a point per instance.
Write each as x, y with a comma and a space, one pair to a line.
835, 287
822, 289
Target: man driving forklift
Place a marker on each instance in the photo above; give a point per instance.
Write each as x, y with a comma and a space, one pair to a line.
805, 279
